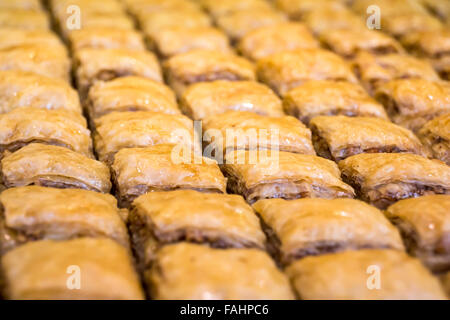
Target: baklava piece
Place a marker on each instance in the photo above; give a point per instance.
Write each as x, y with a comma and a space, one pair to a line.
439, 8
119, 130
348, 42
200, 65
268, 40
286, 70
339, 137
35, 213
432, 45
21, 4
163, 167
42, 269
24, 19
326, 19
389, 8
223, 7
384, 178
130, 94
424, 223
370, 274
402, 24
19, 89
412, 102
373, 70
106, 38
53, 166
219, 220
238, 23
435, 134
137, 7
192, 271
240, 130
205, 99
26, 125
309, 227
94, 65
267, 174
329, 98
50, 61
174, 40
12, 37
298, 9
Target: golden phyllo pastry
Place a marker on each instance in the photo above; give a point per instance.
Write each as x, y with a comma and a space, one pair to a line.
53, 166
305, 227
192, 271
93, 65
220, 8
12, 37
446, 283
174, 40
50, 61
412, 102
139, 7
268, 40
106, 38
265, 174
24, 19
425, 226
237, 24
364, 275
324, 19
119, 130
234, 130
21, 89
21, 4
297, 9
329, 98
219, 220
42, 270
286, 70
205, 99
130, 94
384, 178
161, 168
64, 128
348, 42
439, 8
403, 23
205, 65
339, 137
435, 134
35, 213
373, 70
389, 8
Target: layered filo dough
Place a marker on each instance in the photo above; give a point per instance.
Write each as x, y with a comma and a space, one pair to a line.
348, 42
34, 213
390, 8
202, 65
298, 9
94, 65
21, 4
219, 220
286, 70
412, 102
432, 45
130, 94
26, 125
435, 134
235, 130
192, 271
51, 61
339, 137
266, 174
106, 38
54, 166
310, 227
384, 178
369, 274
21, 89
324, 19
329, 98
205, 99
237, 24
439, 8
268, 40
424, 223
24, 19
403, 23
12, 37
163, 167
40, 270
174, 40
119, 130
224, 7
374, 70
140, 8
